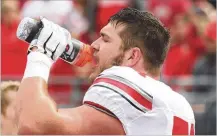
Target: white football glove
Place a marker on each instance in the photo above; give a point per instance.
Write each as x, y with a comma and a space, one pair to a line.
52, 39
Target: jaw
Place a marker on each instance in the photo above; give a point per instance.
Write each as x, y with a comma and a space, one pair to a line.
116, 61
97, 70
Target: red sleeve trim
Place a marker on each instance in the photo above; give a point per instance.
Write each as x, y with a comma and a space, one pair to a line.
129, 90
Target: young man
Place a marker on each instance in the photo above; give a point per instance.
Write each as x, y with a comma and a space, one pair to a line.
125, 97
8, 96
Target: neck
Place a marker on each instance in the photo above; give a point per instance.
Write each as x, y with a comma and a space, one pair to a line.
145, 73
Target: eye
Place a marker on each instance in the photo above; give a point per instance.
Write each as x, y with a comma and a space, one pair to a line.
105, 40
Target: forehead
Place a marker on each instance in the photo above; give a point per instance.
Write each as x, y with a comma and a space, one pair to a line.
113, 30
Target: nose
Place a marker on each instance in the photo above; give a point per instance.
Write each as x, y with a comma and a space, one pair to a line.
95, 45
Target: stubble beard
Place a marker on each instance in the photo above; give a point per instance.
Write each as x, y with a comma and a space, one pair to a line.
117, 61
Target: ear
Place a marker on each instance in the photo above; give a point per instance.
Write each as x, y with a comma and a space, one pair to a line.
132, 56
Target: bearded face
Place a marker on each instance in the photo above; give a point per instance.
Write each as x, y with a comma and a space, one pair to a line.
100, 66
108, 49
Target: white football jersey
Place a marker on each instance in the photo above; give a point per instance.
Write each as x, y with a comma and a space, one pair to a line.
143, 105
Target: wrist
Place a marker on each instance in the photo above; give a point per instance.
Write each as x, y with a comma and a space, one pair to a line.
38, 65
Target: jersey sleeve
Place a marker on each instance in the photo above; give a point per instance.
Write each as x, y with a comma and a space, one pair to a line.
118, 97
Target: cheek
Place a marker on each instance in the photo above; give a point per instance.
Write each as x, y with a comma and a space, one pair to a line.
104, 59
107, 53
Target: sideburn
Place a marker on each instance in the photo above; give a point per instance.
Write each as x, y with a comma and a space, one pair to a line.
118, 60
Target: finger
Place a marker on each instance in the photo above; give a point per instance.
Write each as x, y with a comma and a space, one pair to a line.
56, 27
45, 32
48, 53
53, 41
44, 36
59, 50
34, 42
46, 22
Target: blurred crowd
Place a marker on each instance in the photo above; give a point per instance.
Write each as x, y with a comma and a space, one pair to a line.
190, 66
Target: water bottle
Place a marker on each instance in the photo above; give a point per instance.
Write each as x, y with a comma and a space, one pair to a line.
76, 52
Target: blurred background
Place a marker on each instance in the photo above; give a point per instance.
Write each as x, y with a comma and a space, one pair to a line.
190, 66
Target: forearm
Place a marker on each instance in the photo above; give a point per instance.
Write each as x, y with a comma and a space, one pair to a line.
33, 97
34, 106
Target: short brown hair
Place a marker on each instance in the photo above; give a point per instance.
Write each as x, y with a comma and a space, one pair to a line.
146, 32
5, 87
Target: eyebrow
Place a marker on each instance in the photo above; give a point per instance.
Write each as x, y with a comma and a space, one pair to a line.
104, 34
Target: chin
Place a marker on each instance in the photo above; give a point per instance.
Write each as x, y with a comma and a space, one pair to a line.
96, 72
